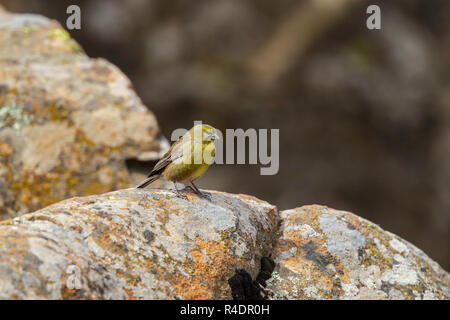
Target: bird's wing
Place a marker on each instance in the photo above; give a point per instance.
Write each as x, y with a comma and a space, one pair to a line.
175, 152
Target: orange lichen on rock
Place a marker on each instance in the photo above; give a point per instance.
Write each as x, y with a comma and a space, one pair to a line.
5, 149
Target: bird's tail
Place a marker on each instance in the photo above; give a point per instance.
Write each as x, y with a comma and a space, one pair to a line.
147, 181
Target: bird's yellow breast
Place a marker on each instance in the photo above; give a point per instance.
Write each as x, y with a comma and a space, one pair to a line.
185, 169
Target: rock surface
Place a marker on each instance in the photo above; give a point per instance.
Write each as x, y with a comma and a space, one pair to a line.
324, 253
135, 244
67, 122
139, 244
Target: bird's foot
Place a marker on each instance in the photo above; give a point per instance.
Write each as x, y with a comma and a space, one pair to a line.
189, 189
180, 194
205, 195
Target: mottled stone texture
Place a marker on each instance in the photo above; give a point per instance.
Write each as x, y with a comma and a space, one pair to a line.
135, 244
67, 122
156, 244
324, 253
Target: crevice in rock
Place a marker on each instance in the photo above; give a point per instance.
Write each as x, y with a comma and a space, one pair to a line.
243, 287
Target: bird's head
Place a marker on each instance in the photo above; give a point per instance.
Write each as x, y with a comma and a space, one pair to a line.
208, 133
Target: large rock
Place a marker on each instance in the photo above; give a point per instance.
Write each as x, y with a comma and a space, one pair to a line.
67, 122
138, 244
135, 244
324, 253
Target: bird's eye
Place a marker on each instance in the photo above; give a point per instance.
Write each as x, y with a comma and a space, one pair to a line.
211, 136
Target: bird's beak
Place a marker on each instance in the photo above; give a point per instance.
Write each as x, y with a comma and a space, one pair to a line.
215, 136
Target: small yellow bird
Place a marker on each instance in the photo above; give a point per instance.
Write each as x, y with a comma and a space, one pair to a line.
187, 159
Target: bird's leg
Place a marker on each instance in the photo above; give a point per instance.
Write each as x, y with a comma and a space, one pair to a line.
189, 189
179, 193
201, 194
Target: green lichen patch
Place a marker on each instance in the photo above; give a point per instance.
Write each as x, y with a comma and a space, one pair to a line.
13, 115
64, 37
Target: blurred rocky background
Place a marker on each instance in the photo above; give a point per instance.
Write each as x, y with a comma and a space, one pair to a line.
364, 115
68, 123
